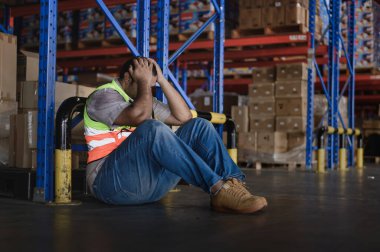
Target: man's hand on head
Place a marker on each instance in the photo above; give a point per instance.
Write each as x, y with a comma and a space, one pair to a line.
160, 76
142, 72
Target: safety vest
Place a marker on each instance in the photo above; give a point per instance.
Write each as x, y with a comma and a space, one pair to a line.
101, 139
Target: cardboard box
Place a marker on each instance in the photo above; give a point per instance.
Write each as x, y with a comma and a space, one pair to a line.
291, 123
303, 3
291, 107
296, 15
23, 154
261, 107
7, 108
273, 16
29, 93
250, 19
249, 4
203, 101
8, 67
294, 71
296, 140
4, 151
259, 123
263, 74
27, 66
261, 90
274, 3
247, 140
240, 116
272, 142
12, 142
297, 88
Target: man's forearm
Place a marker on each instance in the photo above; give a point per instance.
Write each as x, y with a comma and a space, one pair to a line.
143, 100
177, 105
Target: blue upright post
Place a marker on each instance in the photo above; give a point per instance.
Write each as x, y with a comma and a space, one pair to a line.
332, 158
176, 69
184, 77
143, 26
219, 61
163, 42
351, 90
310, 86
46, 104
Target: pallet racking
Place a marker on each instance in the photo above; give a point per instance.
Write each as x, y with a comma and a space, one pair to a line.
200, 51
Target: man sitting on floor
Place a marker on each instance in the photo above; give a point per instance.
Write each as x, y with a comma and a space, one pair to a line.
134, 159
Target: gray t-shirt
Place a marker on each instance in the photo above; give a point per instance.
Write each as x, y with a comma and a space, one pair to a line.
105, 106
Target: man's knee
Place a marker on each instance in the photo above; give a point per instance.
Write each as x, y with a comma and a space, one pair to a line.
154, 126
201, 122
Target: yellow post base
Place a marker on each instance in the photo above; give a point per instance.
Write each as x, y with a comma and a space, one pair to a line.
233, 154
342, 159
62, 176
321, 160
360, 158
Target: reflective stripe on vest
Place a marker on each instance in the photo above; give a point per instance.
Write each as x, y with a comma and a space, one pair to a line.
101, 140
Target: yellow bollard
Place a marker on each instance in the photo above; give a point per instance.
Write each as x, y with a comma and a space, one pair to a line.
342, 159
360, 158
233, 154
321, 160
62, 176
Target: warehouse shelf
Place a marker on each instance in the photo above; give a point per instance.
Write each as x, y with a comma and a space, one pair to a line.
236, 52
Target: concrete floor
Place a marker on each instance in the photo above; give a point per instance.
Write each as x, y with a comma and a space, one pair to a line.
307, 212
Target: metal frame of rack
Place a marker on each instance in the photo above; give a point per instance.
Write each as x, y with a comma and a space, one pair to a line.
330, 85
332, 89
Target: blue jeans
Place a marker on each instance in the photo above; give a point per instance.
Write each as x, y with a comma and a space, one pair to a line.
153, 159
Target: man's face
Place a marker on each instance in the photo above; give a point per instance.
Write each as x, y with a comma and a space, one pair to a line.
130, 86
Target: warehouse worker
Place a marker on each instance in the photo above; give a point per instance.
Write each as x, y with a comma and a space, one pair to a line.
134, 159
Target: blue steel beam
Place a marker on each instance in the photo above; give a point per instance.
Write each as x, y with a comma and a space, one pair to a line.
143, 26
333, 77
351, 90
46, 102
219, 63
177, 86
310, 87
184, 77
118, 28
193, 38
163, 42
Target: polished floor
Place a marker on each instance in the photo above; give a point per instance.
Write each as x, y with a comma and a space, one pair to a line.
307, 212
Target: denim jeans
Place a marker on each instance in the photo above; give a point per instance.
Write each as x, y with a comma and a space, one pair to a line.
153, 159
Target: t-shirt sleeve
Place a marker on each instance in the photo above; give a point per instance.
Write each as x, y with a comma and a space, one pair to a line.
161, 110
105, 106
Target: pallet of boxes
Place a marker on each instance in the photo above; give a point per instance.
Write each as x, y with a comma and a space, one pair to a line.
19, 107
271, 129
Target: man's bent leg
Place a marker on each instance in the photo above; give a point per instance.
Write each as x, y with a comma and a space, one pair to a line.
148, 164
202, 137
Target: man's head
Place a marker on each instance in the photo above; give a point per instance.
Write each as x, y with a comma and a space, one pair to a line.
126, 80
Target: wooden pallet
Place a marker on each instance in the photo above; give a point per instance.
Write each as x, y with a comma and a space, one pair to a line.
260, 165
269, 30
367, 70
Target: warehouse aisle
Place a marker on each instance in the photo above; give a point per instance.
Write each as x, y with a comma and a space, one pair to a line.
307, 212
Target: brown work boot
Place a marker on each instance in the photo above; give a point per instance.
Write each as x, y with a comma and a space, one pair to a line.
233, 197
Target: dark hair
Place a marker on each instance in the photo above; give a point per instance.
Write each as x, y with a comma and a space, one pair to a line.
125, 67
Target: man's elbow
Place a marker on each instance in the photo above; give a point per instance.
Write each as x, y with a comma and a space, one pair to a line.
185, 118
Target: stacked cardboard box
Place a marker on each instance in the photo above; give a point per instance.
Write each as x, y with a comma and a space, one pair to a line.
203, 101
291, 106
30, 29
8, 103
126, 16
367, 28
193, 14
276, 13
91, 25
